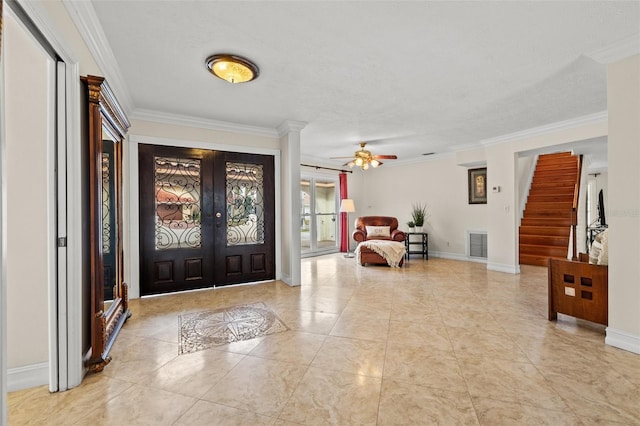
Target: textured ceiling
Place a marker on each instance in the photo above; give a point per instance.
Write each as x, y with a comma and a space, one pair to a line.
407, 77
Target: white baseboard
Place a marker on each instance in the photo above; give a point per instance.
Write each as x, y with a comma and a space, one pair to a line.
622, 340
28, 376
286, 278
455, 256
500, 267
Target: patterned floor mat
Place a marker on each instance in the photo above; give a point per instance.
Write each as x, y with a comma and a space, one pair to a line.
203, 330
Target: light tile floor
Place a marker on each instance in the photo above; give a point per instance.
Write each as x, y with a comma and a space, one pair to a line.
435, 342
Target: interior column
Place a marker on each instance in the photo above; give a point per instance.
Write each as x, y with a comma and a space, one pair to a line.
289, 225
623, 98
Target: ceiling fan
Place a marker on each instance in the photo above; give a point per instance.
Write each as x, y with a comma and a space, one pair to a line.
364, 159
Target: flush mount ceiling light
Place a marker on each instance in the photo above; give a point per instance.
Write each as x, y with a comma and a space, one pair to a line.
232, 68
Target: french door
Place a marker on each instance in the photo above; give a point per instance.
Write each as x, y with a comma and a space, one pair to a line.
319, 215
207, 218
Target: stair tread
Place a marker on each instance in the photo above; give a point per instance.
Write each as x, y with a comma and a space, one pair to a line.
545, 226
537, 260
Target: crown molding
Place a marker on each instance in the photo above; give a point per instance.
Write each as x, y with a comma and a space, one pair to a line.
419, 159
617, 51
596, 118
40, 17
290, 126
86, 21
202, 123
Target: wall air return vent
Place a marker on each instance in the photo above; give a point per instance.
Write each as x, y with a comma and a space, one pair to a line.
477, 244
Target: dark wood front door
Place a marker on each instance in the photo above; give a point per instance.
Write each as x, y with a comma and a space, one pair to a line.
207, 218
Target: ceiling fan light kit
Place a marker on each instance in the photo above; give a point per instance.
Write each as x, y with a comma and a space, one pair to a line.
364, 159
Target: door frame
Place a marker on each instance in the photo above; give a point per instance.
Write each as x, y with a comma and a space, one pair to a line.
133, 197
312, 178
67, 366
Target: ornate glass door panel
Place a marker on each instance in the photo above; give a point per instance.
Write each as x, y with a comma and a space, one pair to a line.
178, 202
244, 210
206, 218
109, 224
245, 203
176, 231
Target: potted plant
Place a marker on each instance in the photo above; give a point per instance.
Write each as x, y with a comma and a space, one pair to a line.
419, 215
411, 226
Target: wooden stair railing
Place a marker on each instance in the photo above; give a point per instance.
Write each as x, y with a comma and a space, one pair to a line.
574, 209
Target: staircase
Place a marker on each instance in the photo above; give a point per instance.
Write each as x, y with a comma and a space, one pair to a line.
546, 222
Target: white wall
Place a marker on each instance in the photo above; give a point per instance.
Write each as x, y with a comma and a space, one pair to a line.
29, 145
439, 182
623, 98
205, 135
525, 168
502, 169
599, 182
65, 29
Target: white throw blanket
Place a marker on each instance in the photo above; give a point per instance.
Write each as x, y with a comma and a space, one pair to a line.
391, 251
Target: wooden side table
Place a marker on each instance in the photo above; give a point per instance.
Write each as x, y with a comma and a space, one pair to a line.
422, 241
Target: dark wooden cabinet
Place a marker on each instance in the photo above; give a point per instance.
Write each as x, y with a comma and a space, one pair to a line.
106, 126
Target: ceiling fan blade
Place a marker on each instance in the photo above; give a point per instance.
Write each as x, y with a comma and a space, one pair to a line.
339, 158
386, 157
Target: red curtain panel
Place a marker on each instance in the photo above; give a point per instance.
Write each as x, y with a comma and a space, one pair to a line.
344, 226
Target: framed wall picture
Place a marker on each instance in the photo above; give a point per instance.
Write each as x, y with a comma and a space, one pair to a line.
478, 186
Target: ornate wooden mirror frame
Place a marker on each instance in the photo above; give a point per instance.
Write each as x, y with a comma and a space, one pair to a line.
107, 126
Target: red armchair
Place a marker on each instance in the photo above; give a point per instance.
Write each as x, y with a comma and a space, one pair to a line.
360, 234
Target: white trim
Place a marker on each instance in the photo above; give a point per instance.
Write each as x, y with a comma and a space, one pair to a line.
53, 35
184, 143
501, 267
58, 328
278, 197
617, 51
28, 376
387, 164
474, 164
286, 278
201, 123
74, 313
86, 21
623, 340
134, 221
525, 196
325, 175
289, 126
455, 256
134, 196
595, 118
3, 251
49, 30
51, 215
